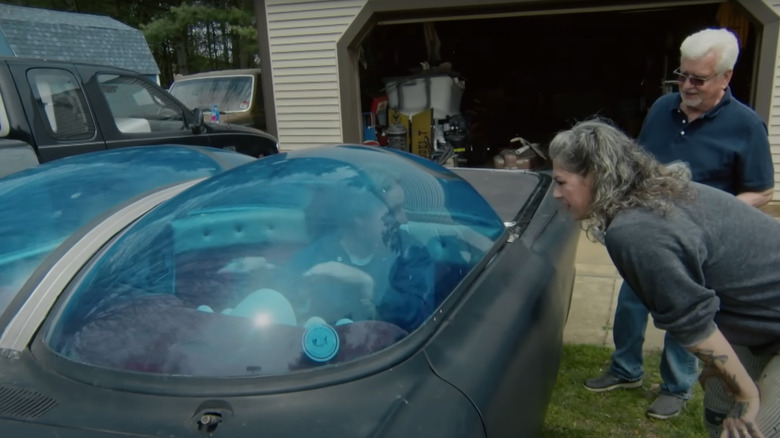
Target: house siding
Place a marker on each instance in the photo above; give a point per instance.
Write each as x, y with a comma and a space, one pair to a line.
302, 42
302, 39
773, 124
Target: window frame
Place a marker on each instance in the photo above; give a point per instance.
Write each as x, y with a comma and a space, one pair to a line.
5, 127
141, 124
36, 78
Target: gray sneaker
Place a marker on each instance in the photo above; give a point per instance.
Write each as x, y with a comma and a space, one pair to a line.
609, 382
665, 407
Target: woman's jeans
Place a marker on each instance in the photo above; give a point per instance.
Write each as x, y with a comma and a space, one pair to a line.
679, 367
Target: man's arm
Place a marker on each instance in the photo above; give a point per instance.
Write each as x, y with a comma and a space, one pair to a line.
757, 199
720, 360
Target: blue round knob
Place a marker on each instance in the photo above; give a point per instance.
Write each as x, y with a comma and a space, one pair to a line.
320, 342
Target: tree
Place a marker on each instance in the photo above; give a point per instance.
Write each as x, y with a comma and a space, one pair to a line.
185, 37
133, 13
199, 37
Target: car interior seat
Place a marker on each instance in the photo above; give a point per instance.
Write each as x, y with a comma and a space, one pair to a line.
214, 252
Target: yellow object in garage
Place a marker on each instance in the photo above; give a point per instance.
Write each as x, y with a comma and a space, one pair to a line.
398, 130
422, 133
419, 131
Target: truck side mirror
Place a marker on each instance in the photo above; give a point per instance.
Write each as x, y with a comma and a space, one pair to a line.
197, 121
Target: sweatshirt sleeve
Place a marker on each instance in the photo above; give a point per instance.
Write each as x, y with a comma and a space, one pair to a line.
662, 260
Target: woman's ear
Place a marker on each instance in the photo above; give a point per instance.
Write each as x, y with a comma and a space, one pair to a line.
590, 180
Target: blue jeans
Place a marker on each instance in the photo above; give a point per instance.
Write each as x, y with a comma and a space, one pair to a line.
679, 367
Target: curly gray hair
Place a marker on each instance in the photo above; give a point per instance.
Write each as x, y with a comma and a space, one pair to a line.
624, 175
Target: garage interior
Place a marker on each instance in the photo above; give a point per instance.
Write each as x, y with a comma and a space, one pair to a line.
532, 75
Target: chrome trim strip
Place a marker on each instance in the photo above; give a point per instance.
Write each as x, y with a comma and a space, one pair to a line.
20, 330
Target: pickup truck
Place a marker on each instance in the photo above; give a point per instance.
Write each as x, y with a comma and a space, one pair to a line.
53, 109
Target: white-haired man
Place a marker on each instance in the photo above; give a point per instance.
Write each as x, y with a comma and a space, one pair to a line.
726, 146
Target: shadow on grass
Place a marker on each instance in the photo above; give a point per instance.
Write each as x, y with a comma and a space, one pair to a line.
578, 413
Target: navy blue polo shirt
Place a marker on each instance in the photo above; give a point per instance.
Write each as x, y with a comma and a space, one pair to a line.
726, 148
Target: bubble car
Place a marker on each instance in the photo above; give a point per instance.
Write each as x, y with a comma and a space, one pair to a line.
348, 291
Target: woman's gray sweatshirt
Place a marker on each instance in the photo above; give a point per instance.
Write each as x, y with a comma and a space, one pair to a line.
710, 261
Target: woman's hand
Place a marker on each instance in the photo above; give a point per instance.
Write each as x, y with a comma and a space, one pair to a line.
722, 362
741, 420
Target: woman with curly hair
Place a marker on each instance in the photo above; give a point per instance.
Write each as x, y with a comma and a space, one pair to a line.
705, 264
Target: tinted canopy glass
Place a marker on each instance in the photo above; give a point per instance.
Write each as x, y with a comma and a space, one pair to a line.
298, 260
44, 205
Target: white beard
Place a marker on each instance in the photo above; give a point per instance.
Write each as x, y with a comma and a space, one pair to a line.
691, 100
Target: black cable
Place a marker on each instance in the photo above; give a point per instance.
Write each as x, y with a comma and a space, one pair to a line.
436, 373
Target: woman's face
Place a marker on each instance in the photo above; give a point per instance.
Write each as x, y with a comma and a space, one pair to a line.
573, 191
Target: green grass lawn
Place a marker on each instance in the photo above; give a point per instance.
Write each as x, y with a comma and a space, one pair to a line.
578, 413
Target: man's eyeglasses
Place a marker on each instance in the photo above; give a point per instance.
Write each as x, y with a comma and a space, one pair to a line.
696, 81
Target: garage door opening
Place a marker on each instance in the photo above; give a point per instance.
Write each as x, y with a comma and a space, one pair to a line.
531, 76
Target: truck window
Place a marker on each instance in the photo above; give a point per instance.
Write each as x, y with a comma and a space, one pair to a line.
138, 107
229, 93
61, 101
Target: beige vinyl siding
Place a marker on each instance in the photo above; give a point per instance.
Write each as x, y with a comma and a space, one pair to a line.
302, 39
774, 114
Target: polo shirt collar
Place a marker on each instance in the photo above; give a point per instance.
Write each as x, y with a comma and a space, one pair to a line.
725, 100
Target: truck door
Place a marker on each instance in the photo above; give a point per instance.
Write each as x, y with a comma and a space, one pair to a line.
133, 111
57, 111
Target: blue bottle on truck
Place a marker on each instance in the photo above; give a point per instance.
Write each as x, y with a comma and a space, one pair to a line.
214, 114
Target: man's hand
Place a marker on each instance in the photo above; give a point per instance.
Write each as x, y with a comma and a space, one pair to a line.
245, 265
340, 271
756, 199
361, 306
347, 274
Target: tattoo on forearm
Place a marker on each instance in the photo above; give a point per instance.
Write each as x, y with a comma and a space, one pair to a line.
738, 410
710, 360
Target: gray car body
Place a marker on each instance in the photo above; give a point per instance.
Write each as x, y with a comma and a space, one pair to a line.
483, 366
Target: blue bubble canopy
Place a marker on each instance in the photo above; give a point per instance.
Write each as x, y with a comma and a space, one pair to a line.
45, 205
305, 259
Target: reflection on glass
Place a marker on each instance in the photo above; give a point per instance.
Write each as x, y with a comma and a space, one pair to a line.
297, 260
44, 205
229, 93
62, 103
139, 107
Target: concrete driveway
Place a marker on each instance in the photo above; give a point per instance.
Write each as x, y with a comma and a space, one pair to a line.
596, 287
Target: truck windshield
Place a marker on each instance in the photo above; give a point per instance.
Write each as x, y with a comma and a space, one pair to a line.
229, 93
